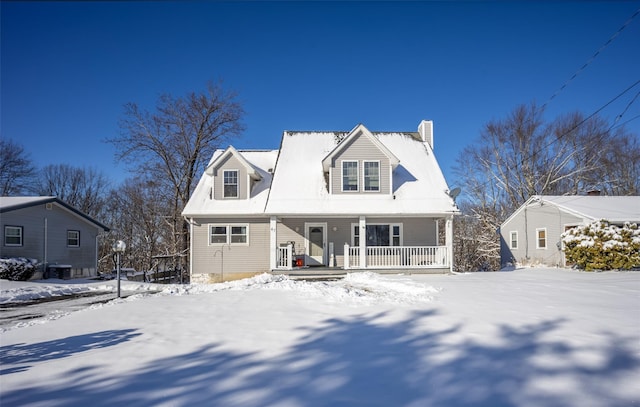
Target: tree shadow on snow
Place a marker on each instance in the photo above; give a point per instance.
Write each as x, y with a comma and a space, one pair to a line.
22, 354
367, 361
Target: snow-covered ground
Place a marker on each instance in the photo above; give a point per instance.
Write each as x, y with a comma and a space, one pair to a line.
529, 337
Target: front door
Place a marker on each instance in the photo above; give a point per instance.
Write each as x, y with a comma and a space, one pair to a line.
316, 238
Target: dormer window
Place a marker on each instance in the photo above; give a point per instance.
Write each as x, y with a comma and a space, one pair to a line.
371, 176
349, 175
230, 179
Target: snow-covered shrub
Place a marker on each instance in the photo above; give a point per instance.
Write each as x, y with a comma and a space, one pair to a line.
600, 246
17, 268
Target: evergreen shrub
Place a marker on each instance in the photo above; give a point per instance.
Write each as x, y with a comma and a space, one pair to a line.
17, 268
601, 246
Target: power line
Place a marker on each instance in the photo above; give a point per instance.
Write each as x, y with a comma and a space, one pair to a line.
590, 60
628, 121
625, 109
532, 156
564, 85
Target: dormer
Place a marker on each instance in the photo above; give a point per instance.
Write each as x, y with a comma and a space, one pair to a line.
233, 177
360, 164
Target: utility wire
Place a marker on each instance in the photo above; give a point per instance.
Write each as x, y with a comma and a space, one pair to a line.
555, 140
625, 109
566, 83
590, 60
628, 121
549, 144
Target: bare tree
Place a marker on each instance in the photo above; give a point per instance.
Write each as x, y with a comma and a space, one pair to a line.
622, 163
17, 172
137, 214
523, 155
83, 188
173, 145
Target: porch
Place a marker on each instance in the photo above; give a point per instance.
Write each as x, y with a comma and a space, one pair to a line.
374, 258
303, 245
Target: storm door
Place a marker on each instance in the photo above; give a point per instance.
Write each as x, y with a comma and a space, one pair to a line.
316, 238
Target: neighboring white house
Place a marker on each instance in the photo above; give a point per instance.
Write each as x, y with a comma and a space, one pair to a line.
329, 200
531, 235
63, 239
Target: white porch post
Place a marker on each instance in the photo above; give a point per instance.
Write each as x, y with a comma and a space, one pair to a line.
363, 242
273, 237
346, 256
449, 241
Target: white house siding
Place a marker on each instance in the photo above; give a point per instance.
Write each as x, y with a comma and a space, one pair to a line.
230, 163
526, 223
215, 263
48, 227
360, 149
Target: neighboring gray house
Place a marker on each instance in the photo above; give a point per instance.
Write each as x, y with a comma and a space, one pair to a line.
63, 239
323, 201
531, 235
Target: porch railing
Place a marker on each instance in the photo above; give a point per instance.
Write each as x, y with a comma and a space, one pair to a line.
379, 257
284, 258
384, 257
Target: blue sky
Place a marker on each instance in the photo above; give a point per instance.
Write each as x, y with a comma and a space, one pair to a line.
67, 69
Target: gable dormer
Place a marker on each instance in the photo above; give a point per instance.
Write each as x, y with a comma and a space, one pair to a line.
232, 175
360, 164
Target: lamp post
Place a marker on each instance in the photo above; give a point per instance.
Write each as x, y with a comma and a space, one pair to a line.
118, 247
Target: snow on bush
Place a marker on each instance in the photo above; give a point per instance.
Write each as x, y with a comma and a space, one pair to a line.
17, 268
600, 246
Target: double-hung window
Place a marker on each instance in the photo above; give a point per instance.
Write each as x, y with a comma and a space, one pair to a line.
230, 183
541, 238
13, 236
229, 234
371, 175
238, 234
378, 234
513, 239
73, 238
349, 175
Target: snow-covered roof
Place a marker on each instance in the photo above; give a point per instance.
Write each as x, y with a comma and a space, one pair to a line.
299, 186
616, 209
12, 203
200, 203
611, 208
358, 131
251, 170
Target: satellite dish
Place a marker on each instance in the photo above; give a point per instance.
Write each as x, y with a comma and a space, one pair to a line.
454, 193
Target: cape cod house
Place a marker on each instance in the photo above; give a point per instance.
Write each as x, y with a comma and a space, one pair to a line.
531, 235
63, 239
324, 200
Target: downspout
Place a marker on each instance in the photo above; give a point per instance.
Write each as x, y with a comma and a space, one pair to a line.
191, 239
98, 231
46, 246
526, 235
